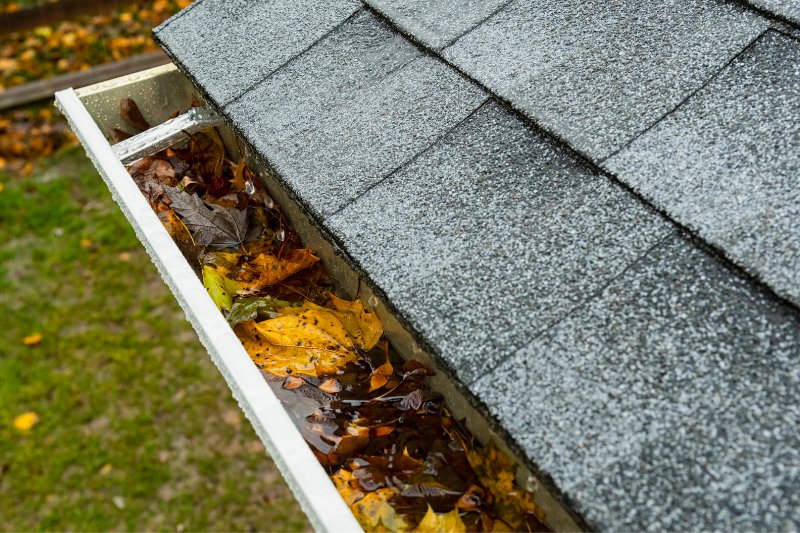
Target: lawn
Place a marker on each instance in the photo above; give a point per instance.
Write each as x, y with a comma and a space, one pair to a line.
137, 430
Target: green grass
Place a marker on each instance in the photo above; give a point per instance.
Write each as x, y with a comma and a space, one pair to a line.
120, 379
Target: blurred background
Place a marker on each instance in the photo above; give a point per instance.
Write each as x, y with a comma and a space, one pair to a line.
111, 414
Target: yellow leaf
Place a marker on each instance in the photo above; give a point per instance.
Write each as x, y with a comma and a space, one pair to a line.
219, 287
348, 486
26, 421
106, 470
266, 269
33, 340
375, 513
446, 522
495, 471
363, 326
311, 342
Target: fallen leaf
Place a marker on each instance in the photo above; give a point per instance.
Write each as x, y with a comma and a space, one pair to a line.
210, 224
376, 513
218, 287
33, 339
265, 270
244, 309
496, 472
26, 421
106, 470
313, 342
363, 326
331, 386
442, 523
348, 486
132, 114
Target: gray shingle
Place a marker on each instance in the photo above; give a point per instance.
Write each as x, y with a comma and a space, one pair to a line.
346, 114
598, 72
436, 23
228, 45
492, 235
670, 402
788, 9
727, 163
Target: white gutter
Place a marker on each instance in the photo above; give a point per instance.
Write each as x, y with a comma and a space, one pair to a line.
310, 484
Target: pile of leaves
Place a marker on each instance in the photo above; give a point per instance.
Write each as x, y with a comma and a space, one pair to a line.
30, 134
78, 44
399, 459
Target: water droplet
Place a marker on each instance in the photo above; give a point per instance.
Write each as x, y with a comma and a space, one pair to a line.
280, 235
373, 301
249, 188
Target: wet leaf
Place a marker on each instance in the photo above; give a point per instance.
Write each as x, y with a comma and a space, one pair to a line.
313, 342
26, 421
210, 224
218, 287
376, 513
443, 523
496, 472
131, 113
411, 401
244, 309
348, 486
331, 386
265, 269
363, 326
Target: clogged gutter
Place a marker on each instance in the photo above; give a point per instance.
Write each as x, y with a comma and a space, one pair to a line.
395, 453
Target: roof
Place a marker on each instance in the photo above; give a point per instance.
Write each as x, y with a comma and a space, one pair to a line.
588, 211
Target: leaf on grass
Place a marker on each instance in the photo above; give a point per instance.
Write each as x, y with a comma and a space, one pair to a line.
265, 269
26, 421
441, 523
220, 288
210, 224
33, 339
244, 309
312, 342
363, 326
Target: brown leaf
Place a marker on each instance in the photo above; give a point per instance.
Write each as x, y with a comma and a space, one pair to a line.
117, 135
331, 386
132, 115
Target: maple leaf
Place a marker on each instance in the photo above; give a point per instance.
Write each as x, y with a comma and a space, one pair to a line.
443, 523
210, 224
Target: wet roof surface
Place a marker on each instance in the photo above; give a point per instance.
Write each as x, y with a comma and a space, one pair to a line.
534, 188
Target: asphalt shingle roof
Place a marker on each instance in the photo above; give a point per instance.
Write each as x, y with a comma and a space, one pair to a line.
534, 187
